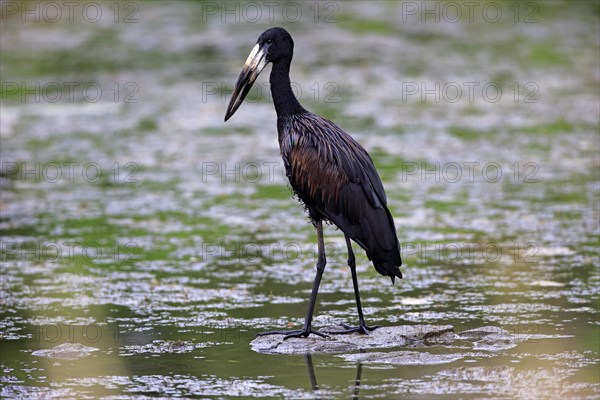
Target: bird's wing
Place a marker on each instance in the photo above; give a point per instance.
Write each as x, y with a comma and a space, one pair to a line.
335, 178
359, 168
330, 170
322, 159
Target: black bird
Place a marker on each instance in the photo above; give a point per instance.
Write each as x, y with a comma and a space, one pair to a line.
330, 173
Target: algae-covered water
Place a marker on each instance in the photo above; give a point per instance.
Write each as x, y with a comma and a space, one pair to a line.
145, 242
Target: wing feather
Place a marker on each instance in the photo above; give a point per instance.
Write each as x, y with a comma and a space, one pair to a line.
336, 179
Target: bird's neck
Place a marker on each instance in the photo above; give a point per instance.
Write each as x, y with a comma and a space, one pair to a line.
281, 91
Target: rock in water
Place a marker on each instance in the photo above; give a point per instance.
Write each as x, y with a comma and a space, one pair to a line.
66, 351
489, 338
384, 337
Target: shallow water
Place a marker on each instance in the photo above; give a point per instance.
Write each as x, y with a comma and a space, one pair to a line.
152, 241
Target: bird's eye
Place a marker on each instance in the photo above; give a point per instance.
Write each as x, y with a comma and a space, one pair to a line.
270, 41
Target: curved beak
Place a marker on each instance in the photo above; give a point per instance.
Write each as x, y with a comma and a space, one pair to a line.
256, 62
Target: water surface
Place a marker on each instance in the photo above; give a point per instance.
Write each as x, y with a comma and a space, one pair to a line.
157, 240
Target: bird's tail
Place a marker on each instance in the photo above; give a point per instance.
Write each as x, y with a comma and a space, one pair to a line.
383, 245
377, 236
387, 269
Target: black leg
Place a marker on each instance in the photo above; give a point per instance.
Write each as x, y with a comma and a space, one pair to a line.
322, 261
362, 326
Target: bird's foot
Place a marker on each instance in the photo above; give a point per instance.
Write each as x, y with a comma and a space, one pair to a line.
362, 328
293, 334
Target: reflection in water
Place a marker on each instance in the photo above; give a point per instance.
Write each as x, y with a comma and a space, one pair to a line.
313, 377
311, 372
357, 381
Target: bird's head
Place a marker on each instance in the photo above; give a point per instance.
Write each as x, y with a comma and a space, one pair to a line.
273, 45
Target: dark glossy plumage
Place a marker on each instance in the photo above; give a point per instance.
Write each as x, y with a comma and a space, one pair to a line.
336, 180
330, 173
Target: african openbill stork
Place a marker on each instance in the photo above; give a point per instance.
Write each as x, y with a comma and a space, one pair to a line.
330, 173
